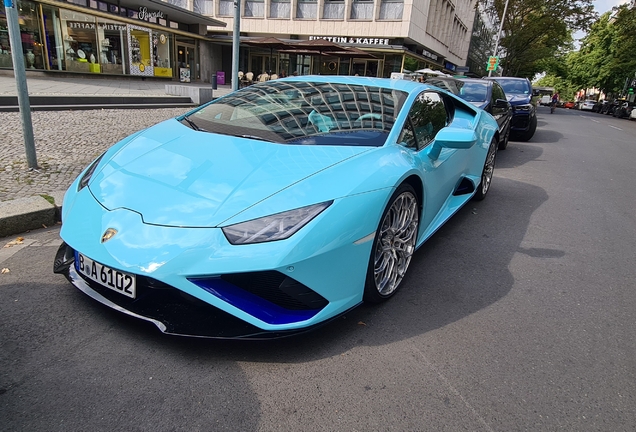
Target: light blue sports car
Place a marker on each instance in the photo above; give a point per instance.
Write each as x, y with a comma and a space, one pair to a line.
275, 208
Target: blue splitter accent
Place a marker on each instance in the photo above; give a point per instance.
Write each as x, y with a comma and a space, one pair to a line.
249, 303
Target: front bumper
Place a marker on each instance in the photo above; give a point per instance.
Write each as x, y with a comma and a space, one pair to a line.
172, 311
521, 121
327, 258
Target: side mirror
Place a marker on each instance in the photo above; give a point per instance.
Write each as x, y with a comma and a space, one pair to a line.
450, 137
501, 103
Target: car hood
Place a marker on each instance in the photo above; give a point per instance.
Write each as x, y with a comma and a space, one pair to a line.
518, 99
175, 176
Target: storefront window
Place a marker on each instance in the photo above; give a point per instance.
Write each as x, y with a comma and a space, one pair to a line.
140, 51
53, 38
79, 33
32, 46
392, 63
113, 46
162, 50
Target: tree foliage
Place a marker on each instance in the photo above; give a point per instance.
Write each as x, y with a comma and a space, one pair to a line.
606, 57
535, 32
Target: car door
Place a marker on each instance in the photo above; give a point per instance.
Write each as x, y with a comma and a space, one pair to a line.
500, 113
441, 169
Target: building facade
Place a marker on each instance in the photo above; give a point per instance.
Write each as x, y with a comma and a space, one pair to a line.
483, 38
124, 37
398, 34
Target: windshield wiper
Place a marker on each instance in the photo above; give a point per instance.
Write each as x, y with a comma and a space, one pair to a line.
254, 137
193, 124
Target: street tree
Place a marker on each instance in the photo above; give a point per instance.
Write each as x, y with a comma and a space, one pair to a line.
537, 31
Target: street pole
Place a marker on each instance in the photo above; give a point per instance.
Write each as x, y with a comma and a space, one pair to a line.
15, 40
236, 38
503, 17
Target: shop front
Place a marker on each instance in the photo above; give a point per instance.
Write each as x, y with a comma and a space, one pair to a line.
94, 37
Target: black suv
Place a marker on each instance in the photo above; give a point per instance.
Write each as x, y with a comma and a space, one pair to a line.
487, 95
524, 116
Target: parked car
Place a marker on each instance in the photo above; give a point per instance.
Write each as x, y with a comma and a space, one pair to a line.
610, 108
568, 105
275, 208
587, 105
545, 100
487, 95
524, 117
598, 106
623, 110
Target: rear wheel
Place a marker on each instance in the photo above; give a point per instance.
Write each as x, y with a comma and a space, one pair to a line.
487, 172
393, 245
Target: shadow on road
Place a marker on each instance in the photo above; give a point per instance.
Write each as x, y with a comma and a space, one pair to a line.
462, 269
517, 154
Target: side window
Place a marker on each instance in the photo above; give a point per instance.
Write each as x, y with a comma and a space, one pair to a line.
498, 92
427, 116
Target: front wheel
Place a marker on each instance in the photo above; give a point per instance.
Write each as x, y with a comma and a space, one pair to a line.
487, 172
393, 245
527, 135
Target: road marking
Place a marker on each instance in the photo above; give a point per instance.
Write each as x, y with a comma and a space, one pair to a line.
595, 121
614, 127
454, 390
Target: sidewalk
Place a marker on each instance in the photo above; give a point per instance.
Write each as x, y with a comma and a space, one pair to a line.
66, 142
73, 86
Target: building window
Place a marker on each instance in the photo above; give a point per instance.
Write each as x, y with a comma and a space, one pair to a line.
307, 9
391, 9
333, 10
180, 3
279, 9
362, 9
254, 8
226, 8
31, 47
203, 7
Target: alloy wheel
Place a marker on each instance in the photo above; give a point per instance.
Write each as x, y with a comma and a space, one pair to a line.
395, 243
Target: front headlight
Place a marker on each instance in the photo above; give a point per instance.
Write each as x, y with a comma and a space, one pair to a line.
89, 173
275, 227
526, 107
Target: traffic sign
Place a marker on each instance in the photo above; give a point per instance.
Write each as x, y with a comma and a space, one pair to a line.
493, 62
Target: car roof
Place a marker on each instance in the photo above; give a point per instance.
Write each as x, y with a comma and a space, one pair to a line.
396, 84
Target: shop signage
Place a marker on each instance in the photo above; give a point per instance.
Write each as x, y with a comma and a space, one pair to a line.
145, 14
450, 66
429, 55
353, 40
93, 26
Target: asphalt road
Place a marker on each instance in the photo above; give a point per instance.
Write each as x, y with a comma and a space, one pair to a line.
519, 314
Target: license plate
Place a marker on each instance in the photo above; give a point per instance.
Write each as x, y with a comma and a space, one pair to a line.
123, 283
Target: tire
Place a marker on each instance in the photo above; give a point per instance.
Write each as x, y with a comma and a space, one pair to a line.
487, 173
527, 135
393, 245
504, 143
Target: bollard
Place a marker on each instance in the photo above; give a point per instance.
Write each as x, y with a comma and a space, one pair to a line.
213, 81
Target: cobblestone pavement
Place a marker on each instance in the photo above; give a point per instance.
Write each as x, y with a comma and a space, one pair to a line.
66, 142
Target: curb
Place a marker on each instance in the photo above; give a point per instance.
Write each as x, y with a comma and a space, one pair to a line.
24, 214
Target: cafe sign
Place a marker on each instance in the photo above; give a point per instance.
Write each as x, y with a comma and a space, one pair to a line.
145, 14
353, 40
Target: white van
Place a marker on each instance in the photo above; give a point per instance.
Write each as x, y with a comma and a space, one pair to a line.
545, 100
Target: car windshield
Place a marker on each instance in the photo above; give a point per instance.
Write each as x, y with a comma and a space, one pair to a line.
474, 92
513, 86
305, 113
